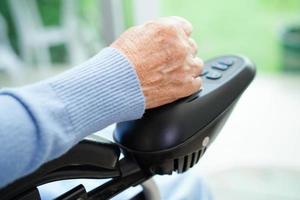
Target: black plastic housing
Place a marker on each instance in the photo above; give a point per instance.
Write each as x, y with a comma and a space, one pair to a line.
173, 137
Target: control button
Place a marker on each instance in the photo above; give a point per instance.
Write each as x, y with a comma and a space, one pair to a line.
219, 66
213, 75
204, 72
227, 62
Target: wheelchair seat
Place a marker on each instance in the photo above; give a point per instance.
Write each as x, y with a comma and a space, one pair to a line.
171, 138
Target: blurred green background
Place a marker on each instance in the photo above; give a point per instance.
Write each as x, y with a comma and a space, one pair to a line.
250, 27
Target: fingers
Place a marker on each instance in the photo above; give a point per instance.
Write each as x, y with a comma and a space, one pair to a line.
196, 66
184, 24
194, 86
197, 84
181, 27
193, 46
194, 82
179, 22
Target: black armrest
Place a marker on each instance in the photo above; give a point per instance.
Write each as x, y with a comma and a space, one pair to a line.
95, 157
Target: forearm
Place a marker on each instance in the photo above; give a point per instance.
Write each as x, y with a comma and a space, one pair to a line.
42, 121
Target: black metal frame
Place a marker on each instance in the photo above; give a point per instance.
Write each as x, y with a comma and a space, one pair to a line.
75, 164
131, 175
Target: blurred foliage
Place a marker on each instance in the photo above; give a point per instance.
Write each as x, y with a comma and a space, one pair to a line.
4, 11
49, 11
50, 14
88, 12
249, 27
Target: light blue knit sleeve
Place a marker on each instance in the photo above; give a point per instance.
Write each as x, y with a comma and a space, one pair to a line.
42, 121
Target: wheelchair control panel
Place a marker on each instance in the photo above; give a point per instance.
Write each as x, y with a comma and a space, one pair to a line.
174, 137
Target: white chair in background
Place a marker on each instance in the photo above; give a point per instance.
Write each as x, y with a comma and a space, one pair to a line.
36, 39
9, 61
113, 21
77, 37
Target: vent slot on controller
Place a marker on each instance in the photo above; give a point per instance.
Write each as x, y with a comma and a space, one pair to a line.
182, 164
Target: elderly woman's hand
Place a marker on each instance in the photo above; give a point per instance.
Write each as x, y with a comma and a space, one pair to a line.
164, 57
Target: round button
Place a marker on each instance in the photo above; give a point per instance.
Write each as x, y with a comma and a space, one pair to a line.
213, 75
219, 66
227, 62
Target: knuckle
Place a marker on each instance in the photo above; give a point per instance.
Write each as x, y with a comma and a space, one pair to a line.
174, 47
198, 83
168, 29
193, 43
181, 47
197, 71
159, 28
183, 50
151, 24
198, 62
165, 33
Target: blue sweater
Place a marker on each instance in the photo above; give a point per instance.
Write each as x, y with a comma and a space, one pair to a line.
42, 121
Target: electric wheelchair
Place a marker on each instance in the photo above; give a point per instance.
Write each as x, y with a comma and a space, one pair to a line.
168, 139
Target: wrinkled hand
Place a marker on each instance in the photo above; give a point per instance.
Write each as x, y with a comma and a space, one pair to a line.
164, 57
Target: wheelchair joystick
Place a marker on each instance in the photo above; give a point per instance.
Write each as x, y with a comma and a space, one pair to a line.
174, 137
